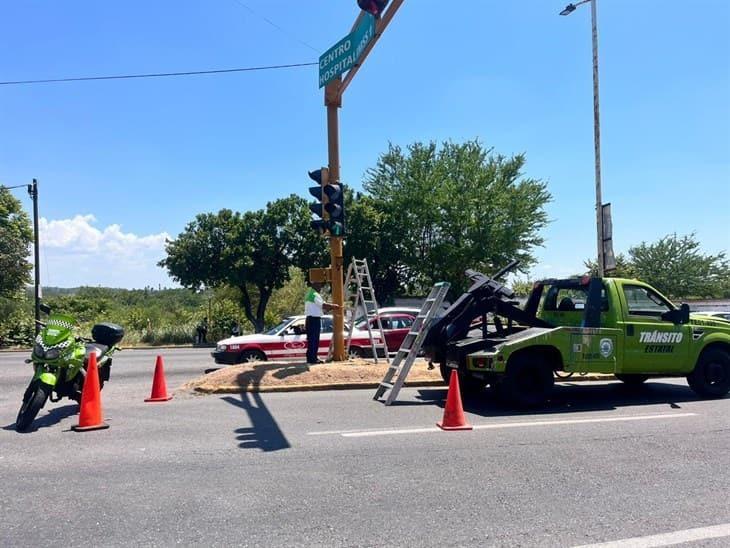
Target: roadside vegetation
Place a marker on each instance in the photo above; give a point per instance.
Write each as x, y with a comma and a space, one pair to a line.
426, 213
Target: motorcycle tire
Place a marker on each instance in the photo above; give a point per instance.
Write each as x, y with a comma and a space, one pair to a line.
33, 401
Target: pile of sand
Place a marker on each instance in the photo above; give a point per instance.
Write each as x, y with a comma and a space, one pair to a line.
273, 376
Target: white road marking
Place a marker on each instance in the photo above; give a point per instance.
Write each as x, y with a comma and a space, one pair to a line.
667, 539
393, 431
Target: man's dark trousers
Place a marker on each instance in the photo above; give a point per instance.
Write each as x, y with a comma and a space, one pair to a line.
314, 326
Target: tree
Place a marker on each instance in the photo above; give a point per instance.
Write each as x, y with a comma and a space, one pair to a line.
624, 267
15, 238
455, 207
368, 236
251, 252
676, 266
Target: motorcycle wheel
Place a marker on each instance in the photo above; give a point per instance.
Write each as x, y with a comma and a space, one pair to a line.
34, 399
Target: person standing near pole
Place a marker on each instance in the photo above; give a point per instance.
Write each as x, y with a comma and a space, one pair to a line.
314, 306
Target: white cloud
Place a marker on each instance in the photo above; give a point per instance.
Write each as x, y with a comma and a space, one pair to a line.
75, 252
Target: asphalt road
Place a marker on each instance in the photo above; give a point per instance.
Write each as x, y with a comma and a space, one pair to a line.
335, 468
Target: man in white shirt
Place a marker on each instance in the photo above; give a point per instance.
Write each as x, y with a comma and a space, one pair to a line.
314, 306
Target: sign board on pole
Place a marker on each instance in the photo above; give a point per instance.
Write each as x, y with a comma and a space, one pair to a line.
345, 54
609, 260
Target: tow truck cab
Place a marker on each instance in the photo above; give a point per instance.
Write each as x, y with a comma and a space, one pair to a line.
612, 325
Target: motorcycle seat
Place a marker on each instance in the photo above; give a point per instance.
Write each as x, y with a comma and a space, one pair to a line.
97, 348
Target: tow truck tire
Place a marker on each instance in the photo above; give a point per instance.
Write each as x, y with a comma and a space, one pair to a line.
528, 382
631, 380
470, 385
711, 376
467, 383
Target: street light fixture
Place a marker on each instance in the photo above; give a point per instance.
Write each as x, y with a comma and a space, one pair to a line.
570, 8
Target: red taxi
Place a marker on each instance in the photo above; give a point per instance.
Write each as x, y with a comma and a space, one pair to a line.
286, 341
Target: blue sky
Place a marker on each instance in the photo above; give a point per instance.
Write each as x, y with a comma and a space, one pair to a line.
124, 164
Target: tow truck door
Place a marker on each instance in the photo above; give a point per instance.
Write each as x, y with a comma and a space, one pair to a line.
651, 345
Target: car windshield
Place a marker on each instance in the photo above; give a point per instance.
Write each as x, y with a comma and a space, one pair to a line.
282, 325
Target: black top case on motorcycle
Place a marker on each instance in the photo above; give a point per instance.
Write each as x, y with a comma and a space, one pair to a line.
107, 333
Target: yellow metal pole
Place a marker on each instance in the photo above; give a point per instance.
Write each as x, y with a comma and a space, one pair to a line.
333, 102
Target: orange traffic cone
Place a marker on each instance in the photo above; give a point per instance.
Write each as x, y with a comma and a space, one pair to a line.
90, 417
159, 386
454, 412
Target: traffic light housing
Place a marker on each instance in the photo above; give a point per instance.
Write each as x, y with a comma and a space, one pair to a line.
335, 208
319, 208
375, 7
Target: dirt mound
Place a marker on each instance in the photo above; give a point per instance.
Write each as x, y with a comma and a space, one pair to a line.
290, 376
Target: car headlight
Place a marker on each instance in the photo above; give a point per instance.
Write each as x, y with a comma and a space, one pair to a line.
53, 353
221, 348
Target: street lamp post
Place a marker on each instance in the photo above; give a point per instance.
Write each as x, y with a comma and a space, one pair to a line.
570, 8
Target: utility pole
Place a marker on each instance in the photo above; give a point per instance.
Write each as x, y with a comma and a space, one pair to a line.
333, 101
570, 8
33, 192
597, 142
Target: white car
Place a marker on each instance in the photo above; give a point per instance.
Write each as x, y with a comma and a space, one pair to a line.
287, 341
723, 315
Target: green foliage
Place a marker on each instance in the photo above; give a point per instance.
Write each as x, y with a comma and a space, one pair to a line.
522, 288
288, 300
369, 236
675, 266
624, 268
15, 237
167, 316
16, 323
251, 252
428, 214
451, 208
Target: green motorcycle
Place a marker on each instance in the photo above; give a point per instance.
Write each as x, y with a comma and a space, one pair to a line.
60, 360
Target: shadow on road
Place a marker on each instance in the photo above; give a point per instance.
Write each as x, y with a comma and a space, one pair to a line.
54, 416
572, 398
264, 433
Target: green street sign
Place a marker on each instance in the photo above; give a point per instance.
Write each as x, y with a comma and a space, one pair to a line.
345, 54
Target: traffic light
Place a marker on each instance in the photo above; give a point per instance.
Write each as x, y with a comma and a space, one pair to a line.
376, 7
335, 208
319, 208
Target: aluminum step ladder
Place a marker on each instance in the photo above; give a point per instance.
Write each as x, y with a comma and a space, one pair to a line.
359, 290
408, 351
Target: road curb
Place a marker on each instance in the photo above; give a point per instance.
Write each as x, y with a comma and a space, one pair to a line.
229, 389
123, 348
306, 387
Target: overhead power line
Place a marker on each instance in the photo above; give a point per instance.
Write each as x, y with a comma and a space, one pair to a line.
281, 29
156, 75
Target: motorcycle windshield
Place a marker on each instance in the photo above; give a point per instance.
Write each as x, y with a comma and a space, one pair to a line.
58, 328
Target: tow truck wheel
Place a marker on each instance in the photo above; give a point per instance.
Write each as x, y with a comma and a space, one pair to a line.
711, 376
528, 382
631, 380
467, 383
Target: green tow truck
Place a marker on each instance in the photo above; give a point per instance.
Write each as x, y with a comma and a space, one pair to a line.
585, 325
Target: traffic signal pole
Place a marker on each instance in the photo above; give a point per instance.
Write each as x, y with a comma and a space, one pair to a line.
336, 259
333, 101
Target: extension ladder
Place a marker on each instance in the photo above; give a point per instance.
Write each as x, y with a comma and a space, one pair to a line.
408, 351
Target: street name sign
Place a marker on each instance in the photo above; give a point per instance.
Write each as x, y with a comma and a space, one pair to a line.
345, 54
